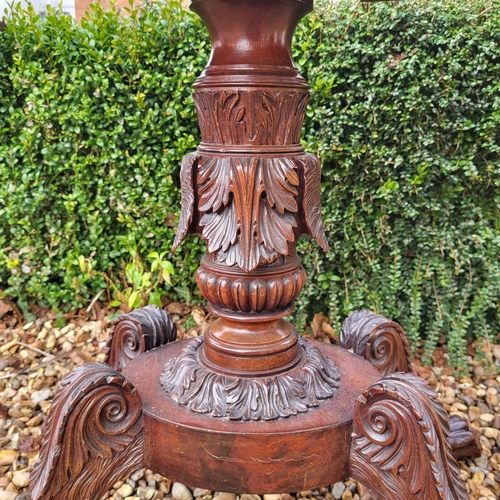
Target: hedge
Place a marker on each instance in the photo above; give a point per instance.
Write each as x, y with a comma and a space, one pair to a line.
405, 115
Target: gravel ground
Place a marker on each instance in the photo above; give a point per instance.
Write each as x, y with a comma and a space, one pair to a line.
35, 357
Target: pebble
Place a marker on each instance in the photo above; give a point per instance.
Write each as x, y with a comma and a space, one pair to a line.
21, 478
225, 496
24, 496
8, 495
125, 490
201, 492
7, 457
338, 490
137, 475
487, 417
181, 492
42, 395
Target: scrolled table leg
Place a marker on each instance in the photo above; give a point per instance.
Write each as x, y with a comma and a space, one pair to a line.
399, 445
136, 332
378, 340
383, 343
94, 438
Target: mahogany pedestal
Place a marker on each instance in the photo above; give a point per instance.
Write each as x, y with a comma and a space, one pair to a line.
250, 407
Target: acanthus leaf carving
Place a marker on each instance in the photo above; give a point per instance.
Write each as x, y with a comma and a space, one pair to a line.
281, 181
187, 198
399, 444
257, 117
384, 344
202, 390
311, 204
213, 182
220, 229
248, 206
94, 436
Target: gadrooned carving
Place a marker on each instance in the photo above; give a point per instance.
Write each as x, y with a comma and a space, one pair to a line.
137, 332
263, 294
94, 436
192, 384
256, 117
248, 206
399, 444
380, 341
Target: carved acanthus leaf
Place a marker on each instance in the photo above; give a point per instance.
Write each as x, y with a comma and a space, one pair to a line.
187, 198
192, 384
213, 181
281, 181
137, 332
399, 444
220, 229
311, 205
257, 117
247, 206
94, 438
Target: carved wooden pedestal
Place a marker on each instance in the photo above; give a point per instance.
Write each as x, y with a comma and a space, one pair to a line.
250, 407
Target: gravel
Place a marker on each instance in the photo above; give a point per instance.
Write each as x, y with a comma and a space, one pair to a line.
35, 357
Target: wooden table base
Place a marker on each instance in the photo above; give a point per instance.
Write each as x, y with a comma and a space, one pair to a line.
387, 431
250, 407
297, 453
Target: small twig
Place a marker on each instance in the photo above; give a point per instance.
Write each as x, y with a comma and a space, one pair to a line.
39, 351
484, 12
94, 300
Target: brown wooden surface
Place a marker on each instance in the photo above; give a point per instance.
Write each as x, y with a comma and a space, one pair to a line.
383, 343
399, 447
250, 190
137, 332
94, 436
287, 454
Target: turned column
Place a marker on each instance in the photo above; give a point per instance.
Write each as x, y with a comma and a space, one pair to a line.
250, 190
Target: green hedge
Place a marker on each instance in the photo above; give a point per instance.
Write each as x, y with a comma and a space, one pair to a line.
405, 114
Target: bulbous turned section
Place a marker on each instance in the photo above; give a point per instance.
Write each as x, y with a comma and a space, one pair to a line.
265, 289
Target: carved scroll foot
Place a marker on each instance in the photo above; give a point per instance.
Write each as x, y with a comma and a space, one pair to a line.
94, 436
463, 440
384, 344
399, 445
137, 332
378, 340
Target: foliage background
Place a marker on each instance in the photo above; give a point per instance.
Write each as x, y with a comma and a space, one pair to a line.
405, 115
